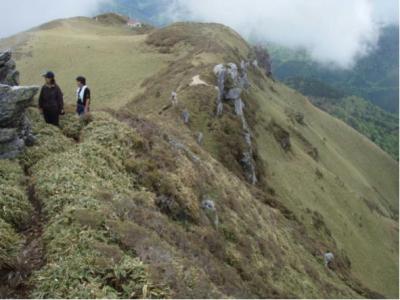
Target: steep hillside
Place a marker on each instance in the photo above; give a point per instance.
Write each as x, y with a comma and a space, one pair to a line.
378, 125
210, 197
374, 77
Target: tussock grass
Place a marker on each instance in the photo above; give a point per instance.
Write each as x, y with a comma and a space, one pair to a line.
10, 245
123, 205
14, 203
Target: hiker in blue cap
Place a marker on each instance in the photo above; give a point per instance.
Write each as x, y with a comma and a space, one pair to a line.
51, 103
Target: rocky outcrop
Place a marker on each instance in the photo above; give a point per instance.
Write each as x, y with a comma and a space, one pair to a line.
230, 84
263, 60
8, 74
15, 129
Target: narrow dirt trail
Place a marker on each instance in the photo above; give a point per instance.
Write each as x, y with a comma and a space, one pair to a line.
14, 282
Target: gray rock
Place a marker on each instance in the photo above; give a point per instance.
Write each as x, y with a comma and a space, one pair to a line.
249, 167
208, 204
220, 108
210, 210
263, 59
8, 74
239, 105
328, 258
233, 71
15, 128
13, 102
200, 137
185, 117
230, 84
233, 93
4, 57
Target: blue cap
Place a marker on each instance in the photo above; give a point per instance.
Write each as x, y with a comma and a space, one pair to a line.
49, 74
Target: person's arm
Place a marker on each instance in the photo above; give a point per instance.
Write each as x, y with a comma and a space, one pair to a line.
87, 102
60, 101
40, 102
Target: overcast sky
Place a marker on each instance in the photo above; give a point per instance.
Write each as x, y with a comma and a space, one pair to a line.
19, 15
333, 31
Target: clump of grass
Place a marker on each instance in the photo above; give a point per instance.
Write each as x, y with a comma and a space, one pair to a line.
81, 264
49, 140
14, 203
71, 125
10, 244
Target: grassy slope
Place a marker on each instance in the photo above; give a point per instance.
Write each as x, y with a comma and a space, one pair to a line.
378, 125
352, 169
113, 59
258, 251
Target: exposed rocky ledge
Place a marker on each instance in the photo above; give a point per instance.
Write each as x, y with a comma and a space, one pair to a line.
15, 129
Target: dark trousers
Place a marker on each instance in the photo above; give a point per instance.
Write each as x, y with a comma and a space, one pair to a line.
51, 117
80, 109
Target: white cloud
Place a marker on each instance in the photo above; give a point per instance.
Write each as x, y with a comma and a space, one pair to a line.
333, 31
19, 15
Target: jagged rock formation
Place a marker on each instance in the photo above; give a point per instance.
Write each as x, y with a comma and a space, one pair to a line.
230, 83
8, 74
14, 126
263, 59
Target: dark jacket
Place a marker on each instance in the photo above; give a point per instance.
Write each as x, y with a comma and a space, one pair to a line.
51, 98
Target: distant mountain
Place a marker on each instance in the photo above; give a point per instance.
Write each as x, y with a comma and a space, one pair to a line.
374, 77
151, 11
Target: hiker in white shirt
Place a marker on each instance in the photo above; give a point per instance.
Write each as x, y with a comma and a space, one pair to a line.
82, 96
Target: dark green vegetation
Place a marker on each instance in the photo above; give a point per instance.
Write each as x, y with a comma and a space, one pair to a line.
119, 195
378, 125
374, 77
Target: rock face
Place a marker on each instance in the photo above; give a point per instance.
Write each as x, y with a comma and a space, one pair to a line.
15, 130
8, 74
230, 83
263, 60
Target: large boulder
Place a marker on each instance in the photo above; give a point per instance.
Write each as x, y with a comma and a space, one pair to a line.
15, 129
8, 74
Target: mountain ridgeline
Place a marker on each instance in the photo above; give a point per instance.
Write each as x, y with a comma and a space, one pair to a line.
196, 175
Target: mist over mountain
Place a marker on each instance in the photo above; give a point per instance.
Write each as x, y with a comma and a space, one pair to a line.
295, 24
374, 77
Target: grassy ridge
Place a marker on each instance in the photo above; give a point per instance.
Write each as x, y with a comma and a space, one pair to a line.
131, 182
113, 59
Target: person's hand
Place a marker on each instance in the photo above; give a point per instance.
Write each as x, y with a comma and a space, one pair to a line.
62, 112
41, 110
86, 110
